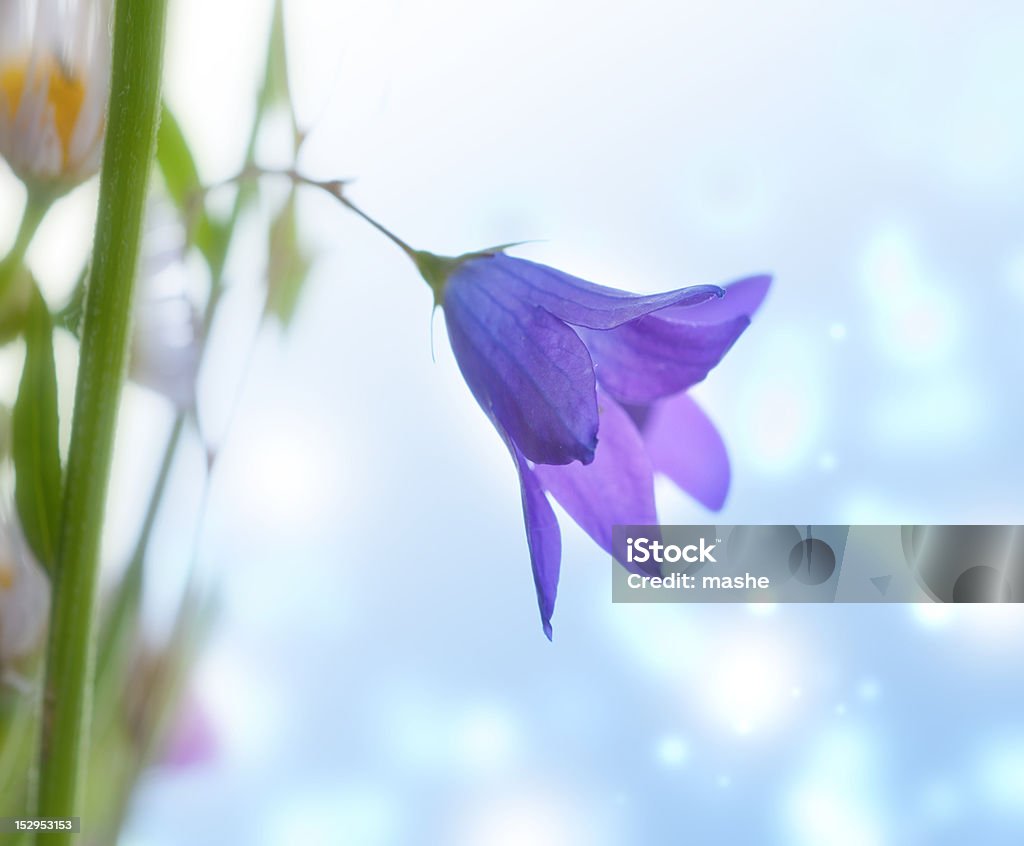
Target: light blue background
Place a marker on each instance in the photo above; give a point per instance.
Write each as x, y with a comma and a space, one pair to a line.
378, 674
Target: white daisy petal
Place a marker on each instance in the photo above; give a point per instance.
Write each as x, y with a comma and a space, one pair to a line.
54, 80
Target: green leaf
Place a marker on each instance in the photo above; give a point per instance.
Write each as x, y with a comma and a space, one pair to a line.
35, 437
181, 176
288, 265
277, 89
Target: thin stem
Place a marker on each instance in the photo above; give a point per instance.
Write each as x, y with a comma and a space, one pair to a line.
387, 233
131, 142
263, 102
36, 207
133, 577
161, 484
129, 592
336, 188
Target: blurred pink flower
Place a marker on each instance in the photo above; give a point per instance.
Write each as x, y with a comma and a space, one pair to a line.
193, 740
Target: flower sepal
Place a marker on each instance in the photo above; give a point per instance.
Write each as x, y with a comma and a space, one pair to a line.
437, 270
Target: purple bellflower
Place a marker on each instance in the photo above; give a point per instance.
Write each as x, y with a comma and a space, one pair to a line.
587, 387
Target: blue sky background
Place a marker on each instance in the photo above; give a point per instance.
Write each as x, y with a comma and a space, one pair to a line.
378, 674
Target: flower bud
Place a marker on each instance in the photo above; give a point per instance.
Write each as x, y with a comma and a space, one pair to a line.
54, 81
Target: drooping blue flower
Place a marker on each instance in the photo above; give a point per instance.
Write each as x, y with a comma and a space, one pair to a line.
587, 387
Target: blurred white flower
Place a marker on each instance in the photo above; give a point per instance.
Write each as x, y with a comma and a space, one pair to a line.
167, 341
24, 596
166, 346
54, 81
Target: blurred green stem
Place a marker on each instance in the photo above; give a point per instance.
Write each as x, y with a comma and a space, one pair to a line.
121, 621
274, 62
118, 627
263, 101
36, 207
131, 141
217, 267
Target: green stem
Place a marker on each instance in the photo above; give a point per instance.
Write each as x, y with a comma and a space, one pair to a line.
36, 207
218, 266
131, 141
133, 578
376, 224
161, 485
217, 269
263, 102
336, 188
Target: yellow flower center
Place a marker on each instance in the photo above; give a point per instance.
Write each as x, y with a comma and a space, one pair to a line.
65, 94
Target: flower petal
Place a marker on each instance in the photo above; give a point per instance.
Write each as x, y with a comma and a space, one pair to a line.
684, 444
617, 488
529, 371
574, 300
543, 537
742, 299
650, 358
